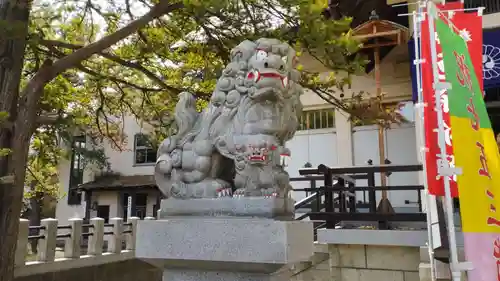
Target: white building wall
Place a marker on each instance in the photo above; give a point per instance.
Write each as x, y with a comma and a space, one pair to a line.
395, 78
313, 146
400, 147
121, 162
400, 143
343, 128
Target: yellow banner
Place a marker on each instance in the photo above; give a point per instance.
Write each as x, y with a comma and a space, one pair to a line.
476, 152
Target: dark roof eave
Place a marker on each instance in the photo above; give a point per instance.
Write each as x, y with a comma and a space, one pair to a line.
115, 187
119, 182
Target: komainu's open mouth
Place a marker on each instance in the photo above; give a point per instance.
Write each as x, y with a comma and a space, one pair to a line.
256, 75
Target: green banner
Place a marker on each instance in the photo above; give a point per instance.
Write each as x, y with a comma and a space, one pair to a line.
460, 73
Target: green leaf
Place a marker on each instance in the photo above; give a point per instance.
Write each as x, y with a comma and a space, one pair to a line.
4, 152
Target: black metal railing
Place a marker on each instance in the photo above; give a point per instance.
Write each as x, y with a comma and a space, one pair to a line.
313, 195
337, 200
491, 6
313, 201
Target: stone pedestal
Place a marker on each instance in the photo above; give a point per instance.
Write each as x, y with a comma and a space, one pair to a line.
231, 244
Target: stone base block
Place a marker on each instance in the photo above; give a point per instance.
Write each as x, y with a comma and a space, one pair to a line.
262, 207
191, 275
205, 244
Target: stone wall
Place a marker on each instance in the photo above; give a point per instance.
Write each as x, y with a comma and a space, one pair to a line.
374, 263
365, 263
129, 270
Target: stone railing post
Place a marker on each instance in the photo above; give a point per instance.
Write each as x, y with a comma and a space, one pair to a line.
96, 240
130, 237
115, 244
47, 245
72, 245
22, 242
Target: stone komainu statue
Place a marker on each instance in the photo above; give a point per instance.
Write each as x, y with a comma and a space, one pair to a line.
233, 147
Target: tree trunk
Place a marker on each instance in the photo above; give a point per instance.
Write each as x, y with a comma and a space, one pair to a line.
14, 14
23, 109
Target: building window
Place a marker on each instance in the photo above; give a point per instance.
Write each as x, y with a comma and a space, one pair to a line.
76, 171
317, 119
143, 150
103, 212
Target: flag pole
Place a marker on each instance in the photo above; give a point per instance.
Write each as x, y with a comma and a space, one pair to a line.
417, 26
444, 169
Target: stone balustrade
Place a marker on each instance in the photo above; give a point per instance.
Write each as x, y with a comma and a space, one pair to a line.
83, 244
340, 255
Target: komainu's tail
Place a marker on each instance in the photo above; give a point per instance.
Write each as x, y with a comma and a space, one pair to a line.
185, 114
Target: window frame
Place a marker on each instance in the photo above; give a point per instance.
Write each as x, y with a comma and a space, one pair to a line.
309, 119
145, 148
74, 195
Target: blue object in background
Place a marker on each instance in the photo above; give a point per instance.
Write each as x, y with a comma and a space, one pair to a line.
491, 58
413, 69
491, 61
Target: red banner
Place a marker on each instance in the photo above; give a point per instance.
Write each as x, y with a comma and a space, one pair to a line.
433, 153
469, 25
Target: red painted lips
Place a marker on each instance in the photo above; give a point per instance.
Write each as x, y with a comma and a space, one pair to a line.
255, 75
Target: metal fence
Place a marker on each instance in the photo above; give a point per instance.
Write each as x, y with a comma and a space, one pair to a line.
339, 199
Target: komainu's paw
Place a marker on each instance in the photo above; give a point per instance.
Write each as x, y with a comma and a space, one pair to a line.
224, 192
240, 192
269, 192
